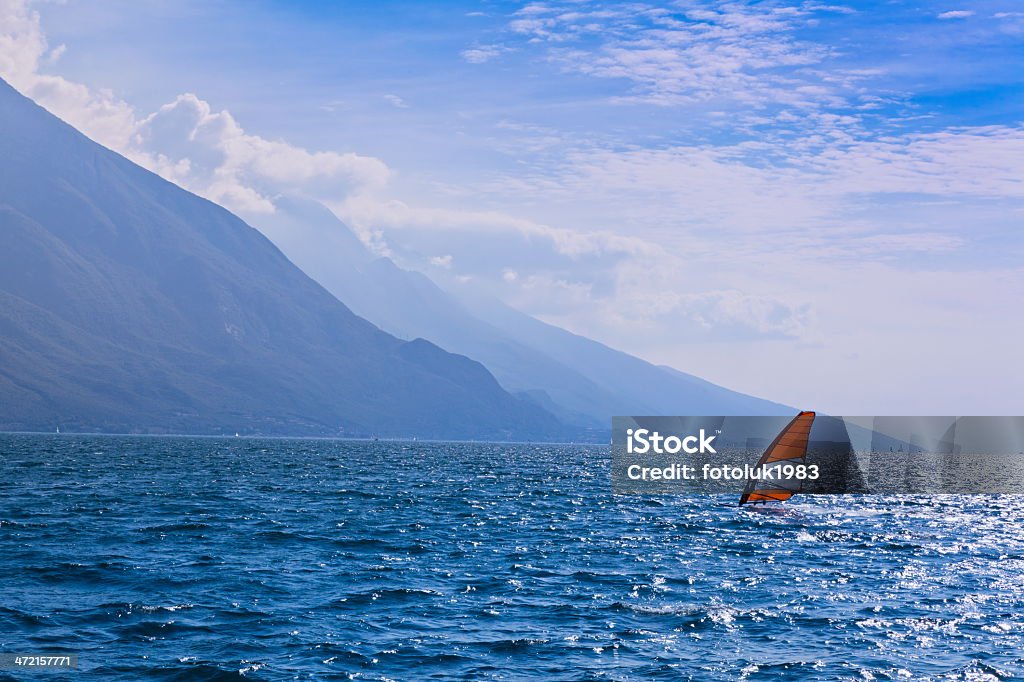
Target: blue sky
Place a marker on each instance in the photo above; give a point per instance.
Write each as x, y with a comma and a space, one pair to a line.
813, 202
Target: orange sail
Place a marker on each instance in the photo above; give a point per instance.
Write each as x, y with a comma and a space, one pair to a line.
790, 446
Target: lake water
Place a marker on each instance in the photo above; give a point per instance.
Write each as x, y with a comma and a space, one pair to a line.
207, 559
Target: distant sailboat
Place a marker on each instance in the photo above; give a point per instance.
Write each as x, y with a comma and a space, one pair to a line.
789, 447
58, 429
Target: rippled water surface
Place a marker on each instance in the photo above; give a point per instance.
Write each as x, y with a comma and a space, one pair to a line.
175, 558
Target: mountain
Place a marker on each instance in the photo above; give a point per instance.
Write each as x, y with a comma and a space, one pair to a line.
581, 381
646, 388
129, 304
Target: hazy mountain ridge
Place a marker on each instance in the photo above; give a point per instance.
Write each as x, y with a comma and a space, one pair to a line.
580, 380
636, 386
129, 304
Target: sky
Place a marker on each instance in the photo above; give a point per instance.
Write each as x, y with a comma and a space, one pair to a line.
816, 203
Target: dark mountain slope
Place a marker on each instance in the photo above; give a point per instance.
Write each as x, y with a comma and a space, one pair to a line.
127, 303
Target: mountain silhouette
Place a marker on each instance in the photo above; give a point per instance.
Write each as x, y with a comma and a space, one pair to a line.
128, 304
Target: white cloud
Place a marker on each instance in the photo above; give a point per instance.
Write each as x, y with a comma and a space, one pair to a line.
209, 152
185, 141
396, 101
483, 53
56, 53
23, 48
956, 14
1011, 23
747, 53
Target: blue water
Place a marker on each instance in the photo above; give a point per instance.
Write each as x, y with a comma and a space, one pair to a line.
206, 559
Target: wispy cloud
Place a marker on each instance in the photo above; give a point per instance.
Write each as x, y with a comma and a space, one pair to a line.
956, 14
738, 51
483, 53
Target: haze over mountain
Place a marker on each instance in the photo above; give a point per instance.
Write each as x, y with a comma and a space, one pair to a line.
582, 381
129, 304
